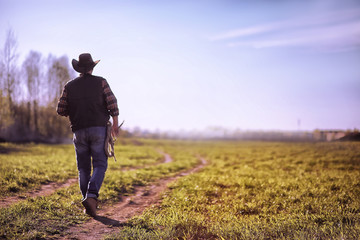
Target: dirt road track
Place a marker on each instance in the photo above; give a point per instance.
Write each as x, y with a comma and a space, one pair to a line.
44, 190
50, 188
111, 218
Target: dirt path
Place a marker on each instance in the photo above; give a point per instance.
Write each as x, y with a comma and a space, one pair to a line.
50, 188
44, 190
111, 218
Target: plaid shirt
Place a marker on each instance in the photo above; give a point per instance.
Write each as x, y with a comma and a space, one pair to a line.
110, 99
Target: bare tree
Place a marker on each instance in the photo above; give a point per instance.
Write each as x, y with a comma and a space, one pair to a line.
32, 71
59, 72
7, 82
9, 64
2, 73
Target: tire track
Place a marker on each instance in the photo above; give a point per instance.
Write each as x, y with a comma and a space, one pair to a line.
111, 218
48, 189
44, 190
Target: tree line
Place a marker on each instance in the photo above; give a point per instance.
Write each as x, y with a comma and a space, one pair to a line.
29, 93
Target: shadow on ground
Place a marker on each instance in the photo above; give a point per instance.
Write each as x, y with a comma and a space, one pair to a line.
109, 222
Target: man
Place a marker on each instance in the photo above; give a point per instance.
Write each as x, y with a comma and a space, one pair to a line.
89, 103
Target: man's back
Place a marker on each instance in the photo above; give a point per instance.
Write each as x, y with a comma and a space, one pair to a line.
86, 102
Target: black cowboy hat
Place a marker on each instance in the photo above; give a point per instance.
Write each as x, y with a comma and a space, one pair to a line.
84, 64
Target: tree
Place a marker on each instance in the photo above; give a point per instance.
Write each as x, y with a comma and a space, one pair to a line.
28, 102
59, 72
9, 64
32, 71
8, 81
5, 115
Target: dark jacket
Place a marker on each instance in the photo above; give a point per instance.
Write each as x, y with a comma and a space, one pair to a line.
86, 102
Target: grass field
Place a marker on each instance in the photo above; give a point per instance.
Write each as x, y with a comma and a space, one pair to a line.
248, 190
24, 167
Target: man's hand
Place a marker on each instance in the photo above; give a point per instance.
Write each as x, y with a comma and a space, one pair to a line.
115, 130
115, 126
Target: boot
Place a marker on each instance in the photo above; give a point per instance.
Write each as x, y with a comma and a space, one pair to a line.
90, 206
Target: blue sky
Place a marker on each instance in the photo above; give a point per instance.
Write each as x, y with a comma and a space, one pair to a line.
250, 65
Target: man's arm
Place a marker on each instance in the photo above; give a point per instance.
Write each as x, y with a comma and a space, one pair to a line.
62, 107
111, 105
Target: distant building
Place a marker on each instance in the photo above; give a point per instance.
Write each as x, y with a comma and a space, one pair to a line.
328, 135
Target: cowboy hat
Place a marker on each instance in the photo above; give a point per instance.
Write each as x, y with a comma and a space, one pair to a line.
84, 64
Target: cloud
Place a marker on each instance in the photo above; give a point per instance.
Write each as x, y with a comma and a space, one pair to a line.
334, 31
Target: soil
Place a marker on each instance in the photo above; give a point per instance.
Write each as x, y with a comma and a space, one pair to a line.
112, 218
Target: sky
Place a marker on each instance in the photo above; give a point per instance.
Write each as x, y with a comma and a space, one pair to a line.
191, 65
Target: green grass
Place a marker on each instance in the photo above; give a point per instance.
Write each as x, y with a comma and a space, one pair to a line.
47, 217
27, 166
248, 190
261, 191
117, 181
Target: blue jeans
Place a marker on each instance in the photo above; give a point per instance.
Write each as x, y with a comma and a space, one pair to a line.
89, 145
